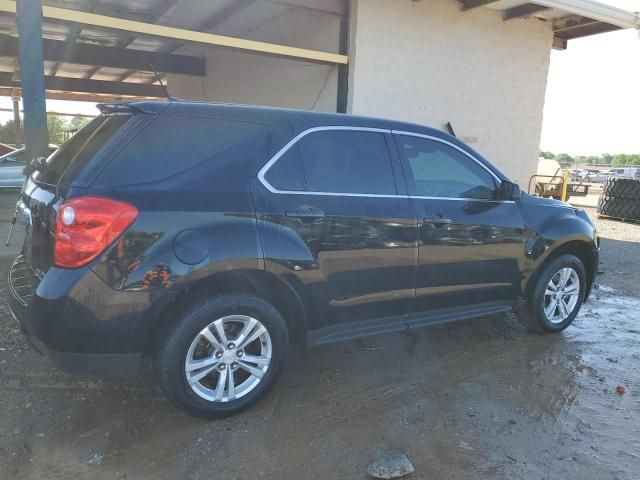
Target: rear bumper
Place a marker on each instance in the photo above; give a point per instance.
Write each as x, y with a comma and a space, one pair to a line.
80, 323
101, 364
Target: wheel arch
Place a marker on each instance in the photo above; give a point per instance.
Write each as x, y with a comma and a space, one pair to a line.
583, 248
265, 285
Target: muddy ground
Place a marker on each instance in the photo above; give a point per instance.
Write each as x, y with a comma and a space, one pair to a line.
478, 399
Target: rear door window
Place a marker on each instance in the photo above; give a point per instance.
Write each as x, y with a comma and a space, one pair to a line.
347, 161
336, 161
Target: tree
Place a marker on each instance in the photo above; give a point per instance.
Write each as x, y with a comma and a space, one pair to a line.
564, 158
625, 159
77, 123
547, 155
7, 133
57, 127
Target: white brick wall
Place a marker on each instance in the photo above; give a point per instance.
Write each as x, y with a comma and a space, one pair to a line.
427, 62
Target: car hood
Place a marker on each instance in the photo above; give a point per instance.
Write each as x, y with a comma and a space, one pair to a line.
541, 201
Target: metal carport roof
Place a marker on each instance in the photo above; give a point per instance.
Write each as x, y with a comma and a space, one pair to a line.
102, 49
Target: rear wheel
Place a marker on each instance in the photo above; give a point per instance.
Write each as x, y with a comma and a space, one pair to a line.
222, 355
556, 299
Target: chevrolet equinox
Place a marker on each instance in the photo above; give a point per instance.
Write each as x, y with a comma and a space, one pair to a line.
213, 238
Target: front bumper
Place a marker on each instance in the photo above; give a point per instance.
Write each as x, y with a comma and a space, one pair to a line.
76, 320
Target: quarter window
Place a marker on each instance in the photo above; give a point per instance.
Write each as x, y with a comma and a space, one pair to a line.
436, 169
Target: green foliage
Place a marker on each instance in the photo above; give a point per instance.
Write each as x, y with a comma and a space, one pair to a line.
621, 159
7, 132
56, 127
564, 158
60, 128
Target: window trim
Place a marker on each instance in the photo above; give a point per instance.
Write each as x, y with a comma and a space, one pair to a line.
461, 150
263, 171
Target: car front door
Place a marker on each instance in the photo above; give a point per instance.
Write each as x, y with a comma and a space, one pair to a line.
336, 224
471, 244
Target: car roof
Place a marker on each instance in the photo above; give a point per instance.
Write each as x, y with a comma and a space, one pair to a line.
300, 120
264, 114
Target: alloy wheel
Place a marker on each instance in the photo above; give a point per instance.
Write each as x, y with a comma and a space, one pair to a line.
228, 358
561, 295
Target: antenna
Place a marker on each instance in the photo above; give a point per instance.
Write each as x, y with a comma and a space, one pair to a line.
162, 85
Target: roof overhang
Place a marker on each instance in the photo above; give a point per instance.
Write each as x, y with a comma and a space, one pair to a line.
569, 19
101, 50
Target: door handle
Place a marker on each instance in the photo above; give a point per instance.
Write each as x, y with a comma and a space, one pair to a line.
436, 220
305, 213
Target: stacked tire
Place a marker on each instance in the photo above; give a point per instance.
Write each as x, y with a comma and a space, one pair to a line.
620, 198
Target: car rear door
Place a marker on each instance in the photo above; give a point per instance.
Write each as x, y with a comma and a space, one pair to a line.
336, 224
471, 244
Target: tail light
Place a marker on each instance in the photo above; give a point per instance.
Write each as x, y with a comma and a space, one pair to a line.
86, 226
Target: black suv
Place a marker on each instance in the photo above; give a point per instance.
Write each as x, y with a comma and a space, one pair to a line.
211, 238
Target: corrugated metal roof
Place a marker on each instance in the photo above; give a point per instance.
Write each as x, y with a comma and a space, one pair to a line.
242, 18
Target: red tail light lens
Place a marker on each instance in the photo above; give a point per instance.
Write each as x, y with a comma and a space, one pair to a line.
86, 226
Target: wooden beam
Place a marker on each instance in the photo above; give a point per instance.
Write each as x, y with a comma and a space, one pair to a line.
181, 34
126, 58
559, 43
81, 97
586, 30
471, 4
523, 11
571, 23
66, 84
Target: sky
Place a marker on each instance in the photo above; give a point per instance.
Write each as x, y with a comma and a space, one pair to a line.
593, 94
592, 103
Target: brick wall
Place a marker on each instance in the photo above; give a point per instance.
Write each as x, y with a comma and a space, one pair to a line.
427, 62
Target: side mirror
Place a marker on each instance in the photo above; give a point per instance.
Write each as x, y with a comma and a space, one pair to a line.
509, 191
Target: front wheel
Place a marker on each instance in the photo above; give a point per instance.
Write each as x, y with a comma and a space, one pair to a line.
556, 299
221, 354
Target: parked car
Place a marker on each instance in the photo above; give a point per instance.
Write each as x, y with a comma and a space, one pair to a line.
213, 238
4, 149
598, 176
625, 172
12, 165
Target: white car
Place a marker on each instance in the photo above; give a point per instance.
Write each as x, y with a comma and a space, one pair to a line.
12, 165
625, 172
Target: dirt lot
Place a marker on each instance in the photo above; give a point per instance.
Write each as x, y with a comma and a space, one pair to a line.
479, 399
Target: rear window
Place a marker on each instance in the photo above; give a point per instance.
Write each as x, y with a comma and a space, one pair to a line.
75, 153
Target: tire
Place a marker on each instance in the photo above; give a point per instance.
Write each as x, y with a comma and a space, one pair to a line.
622, 188
184, 342
532, 314
619, 207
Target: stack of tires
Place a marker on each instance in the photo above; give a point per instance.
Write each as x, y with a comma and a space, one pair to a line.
620, 198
